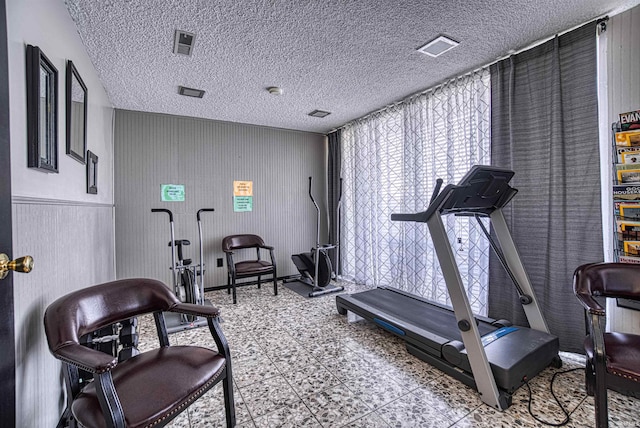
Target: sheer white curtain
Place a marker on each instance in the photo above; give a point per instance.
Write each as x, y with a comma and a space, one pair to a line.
390, 162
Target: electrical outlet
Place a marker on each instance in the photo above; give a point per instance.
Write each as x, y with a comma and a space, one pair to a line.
219, 262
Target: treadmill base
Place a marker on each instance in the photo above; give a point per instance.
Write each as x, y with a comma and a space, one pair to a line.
462, 376
431, 333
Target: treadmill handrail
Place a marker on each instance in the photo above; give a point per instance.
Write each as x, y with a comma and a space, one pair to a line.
435, 206
482, 192
492, 181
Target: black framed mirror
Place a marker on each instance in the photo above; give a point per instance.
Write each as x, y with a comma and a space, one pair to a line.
92, 173
76, 119
42, 111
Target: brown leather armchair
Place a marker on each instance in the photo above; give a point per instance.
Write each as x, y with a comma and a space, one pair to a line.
149, 389
248, 268
613, 359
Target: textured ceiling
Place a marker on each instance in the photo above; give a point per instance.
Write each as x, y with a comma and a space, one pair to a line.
349, 57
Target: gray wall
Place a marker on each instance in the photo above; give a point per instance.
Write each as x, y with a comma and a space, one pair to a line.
623, 62
72, 246
206, 157
69, 233
623, 69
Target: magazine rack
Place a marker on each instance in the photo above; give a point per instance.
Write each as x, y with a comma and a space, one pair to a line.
626, 193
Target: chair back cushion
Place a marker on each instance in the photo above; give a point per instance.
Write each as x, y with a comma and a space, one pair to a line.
92, 308
236, 242
608, 280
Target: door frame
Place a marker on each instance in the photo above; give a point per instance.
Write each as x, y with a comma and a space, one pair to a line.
7, 322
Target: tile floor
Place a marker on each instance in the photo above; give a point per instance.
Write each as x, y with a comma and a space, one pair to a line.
298, 363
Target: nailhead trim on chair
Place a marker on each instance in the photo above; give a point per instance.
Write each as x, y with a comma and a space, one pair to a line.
193, 398
187, 403
90, 369
626, 376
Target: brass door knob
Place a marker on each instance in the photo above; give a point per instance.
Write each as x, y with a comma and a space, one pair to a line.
21, 264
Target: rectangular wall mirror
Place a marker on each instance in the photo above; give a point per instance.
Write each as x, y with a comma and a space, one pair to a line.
76, 102
42, 111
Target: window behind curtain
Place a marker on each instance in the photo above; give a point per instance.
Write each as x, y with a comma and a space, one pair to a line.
390, 162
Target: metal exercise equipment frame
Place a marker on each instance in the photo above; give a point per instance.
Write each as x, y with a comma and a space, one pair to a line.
492, 356
179, 322
444, 204
320, 283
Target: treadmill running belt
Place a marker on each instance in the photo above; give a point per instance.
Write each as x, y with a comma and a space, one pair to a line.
435, 319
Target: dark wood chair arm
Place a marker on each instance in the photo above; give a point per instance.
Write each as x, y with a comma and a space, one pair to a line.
86, 358
273, 258
198, 310
219, 338
213, 320
109, 400
590, 304
267, 247
231, 266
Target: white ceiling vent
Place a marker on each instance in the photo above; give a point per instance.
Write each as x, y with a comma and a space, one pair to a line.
183, 43
438, 46
319, 113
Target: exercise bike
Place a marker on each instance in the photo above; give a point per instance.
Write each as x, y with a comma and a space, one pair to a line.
188, 278
315, 267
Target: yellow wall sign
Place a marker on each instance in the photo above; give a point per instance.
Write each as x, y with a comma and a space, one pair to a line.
243, 188
242, 196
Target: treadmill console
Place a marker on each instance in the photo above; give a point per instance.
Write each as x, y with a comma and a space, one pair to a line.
481, 191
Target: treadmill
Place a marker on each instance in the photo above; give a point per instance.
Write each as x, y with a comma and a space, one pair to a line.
491, 356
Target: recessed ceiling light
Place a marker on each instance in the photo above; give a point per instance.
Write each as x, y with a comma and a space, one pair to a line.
438, 46
319, 113
190, 92
274, 90
183, 42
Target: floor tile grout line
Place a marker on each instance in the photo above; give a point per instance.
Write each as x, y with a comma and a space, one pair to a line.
302, 399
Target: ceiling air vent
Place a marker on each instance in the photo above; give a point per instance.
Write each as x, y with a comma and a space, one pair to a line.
438, 46
319, 113
183, 43
190, 92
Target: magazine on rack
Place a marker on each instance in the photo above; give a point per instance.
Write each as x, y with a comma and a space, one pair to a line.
628, 230
631, 248
630, 120
629, 211
623, 152
629, 259
631, 157
626, 192
629, 206
628, 138
626, 176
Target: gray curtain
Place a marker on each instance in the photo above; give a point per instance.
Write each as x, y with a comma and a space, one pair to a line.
545, 128
333, 186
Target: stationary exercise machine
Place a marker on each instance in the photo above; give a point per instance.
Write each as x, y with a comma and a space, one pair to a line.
317, 261
491, 356
119, 340
188, 278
